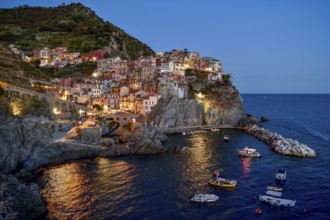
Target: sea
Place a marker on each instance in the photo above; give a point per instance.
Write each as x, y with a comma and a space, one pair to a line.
159, 186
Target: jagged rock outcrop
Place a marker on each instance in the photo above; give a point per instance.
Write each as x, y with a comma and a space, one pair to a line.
20, 200
26, 145
145, 140
175, 112
221, 106
280, 144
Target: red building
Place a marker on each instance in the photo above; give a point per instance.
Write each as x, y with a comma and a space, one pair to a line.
93, 56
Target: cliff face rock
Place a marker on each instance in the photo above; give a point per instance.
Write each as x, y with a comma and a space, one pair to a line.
20, 199
26, 145
145, 140
20, 140
89, 135
175, 112
220, 106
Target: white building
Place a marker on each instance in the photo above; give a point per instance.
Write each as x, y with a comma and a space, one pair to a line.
149, 103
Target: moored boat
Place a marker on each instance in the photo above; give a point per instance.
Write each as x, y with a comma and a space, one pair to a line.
226, 137
184, 133
277, 201
198, 197
275, 188
222, 182
248, 152
280, 176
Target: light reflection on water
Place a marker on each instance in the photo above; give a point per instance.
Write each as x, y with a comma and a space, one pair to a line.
158, 186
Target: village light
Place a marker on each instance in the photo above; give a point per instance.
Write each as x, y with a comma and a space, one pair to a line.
200, 95
56, 111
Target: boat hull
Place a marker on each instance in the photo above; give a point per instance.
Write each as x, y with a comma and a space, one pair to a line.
204, 198
230, 184
277, 201
256, 154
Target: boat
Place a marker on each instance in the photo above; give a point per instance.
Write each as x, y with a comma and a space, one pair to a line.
204, 198
275, 188
226, 137
274, 193
184, 133
280, 176
222, 182
248, 152
277, 201
214, 129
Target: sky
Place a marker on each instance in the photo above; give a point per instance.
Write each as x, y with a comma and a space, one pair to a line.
273, 46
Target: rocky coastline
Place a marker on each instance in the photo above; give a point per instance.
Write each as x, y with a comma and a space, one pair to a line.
27, 146
278, 143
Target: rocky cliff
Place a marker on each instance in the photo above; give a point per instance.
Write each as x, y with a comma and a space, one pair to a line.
216, 106
26, 145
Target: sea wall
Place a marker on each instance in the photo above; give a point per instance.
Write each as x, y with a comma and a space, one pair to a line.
280, 144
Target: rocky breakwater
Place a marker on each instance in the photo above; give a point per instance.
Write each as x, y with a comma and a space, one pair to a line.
280, 144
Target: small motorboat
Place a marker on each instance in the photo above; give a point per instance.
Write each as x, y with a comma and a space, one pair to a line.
222, 182
248, 152
275, 188
277, 201
204, 198
280, 176
184, 133
226, 137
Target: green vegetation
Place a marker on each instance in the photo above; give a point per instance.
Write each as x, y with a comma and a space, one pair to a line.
73, 26
98, 107
81, 70
226, 78
2, 91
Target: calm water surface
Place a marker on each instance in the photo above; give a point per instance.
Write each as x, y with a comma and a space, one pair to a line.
158, 186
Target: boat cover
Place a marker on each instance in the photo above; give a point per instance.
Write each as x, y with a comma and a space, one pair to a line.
274, 193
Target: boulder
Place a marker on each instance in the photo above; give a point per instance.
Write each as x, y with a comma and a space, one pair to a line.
278, 143
24, 200
264, 119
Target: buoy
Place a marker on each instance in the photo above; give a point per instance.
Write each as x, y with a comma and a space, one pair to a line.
258, 211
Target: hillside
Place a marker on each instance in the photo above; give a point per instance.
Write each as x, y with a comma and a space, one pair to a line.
74, 26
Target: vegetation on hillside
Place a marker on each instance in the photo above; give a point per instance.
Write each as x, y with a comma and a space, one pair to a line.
74, 26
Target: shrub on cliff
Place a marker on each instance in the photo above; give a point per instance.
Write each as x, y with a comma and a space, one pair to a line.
226, 78
2, 91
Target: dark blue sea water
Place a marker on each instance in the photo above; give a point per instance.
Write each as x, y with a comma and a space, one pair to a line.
158, 186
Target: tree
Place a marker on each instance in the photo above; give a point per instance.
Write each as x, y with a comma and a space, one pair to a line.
185, 51
226, 78
98, 107
2, 91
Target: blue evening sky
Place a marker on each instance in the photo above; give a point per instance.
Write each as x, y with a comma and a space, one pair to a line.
280, 46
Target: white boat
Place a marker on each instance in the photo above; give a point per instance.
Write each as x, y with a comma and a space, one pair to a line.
226, 137
184, 133
274, 193
280, 176
214, 129
275, 201
275, 188
204, 198
248, 152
